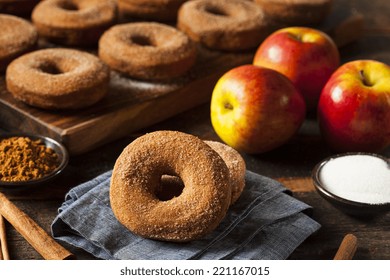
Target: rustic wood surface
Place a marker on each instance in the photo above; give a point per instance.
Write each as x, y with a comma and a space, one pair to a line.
291, 164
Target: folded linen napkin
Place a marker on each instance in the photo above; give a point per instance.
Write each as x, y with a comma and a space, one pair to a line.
264, 223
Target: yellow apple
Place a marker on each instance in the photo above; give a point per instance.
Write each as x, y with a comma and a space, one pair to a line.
254, 109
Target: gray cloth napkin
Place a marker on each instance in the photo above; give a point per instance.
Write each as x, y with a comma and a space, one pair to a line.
265, 223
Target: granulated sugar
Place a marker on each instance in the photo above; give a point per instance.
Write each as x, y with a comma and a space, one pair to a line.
361, 178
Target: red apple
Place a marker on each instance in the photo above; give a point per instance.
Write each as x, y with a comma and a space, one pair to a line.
255, 109
354, 107
306, 56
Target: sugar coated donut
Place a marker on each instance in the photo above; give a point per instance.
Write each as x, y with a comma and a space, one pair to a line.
17, 37
158, 10
148, 51
58, 79
235, 164
296, 12
21, 8
74, 22
171, 186
223, 25
200, 207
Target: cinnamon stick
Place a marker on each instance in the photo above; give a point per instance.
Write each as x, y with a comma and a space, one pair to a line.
4, 255
1, 254
347, 248
42, 242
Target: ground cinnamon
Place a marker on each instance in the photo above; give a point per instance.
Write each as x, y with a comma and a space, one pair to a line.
23, 159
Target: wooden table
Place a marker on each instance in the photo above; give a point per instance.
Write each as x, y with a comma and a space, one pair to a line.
291, 164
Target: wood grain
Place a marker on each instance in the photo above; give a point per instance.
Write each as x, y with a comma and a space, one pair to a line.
301, 184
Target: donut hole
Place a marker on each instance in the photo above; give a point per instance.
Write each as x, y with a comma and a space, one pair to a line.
50, 68
68, 6
142, 40
216, 11
53, 68
169, 188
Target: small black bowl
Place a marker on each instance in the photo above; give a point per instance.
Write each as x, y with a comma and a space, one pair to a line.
59, 149
347, 206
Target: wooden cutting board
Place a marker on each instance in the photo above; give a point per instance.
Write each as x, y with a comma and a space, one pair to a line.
132, 105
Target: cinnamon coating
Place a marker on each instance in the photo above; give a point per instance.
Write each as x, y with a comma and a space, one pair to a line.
202, 203
229, 25
147, 50
17, 37
235, 164
296, 12
171, 186
74, 22
58, 79
158, 10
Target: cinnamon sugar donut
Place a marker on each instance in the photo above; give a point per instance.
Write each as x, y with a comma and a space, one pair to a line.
58, 79
235, 164
17, 36
158, 10
200, 207
74, 22
296, 12
172, 186
21, 8
224, 25
146, 50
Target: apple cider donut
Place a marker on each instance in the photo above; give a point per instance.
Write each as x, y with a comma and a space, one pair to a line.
223, 25
17, 36
171, 186
74, 22
147, 51
296, 12
235, 164
158, 10
202, 203
58, 79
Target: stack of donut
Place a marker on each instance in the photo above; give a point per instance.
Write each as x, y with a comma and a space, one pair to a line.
205, 177
56, 78
144, 49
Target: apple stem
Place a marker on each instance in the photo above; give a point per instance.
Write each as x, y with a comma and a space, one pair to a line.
228, 106
297, 37
364, 79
